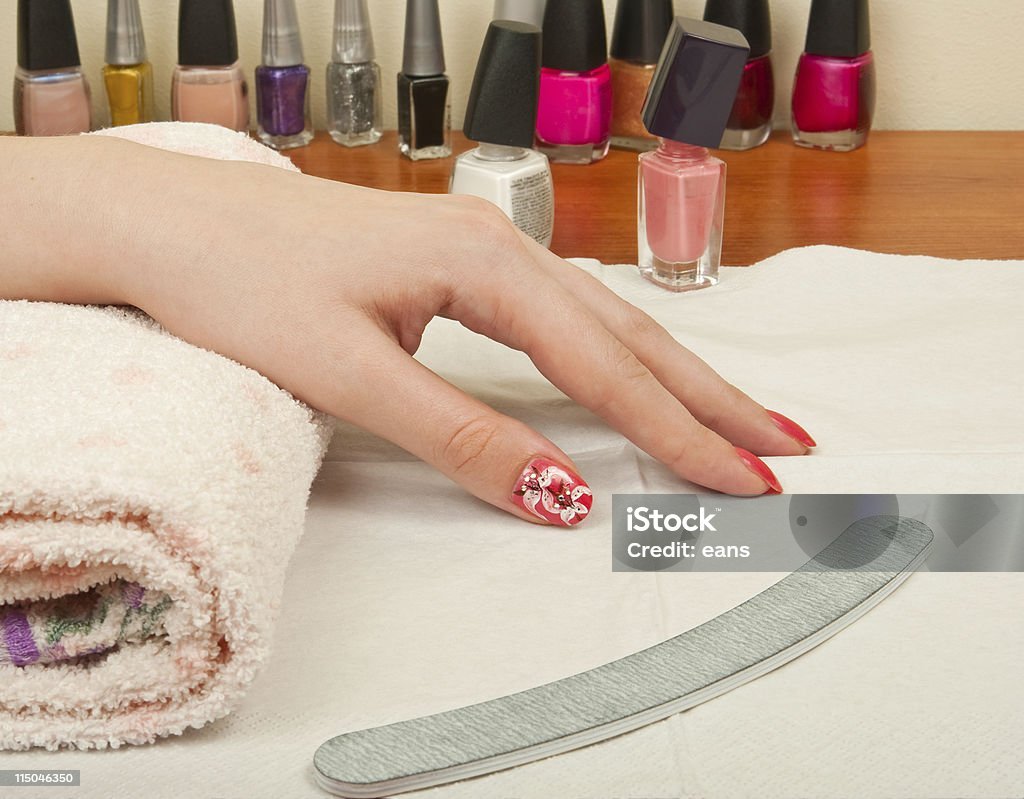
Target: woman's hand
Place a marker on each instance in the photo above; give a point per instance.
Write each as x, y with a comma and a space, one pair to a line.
326, 289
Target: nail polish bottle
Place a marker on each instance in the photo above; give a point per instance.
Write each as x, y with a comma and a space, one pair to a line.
834, 89
529, 11
208, 85
128, 75
354, 108
424, 105
282, 80
51, 95
750, 123
637, 39
681, 185
575, 112
501, 115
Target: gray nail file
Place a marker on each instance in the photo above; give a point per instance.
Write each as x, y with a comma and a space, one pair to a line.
779, 624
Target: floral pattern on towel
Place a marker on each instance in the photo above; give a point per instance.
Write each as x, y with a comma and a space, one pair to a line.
87, 623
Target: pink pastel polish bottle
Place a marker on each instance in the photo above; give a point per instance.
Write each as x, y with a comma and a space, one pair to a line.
834, 89
575, 109
681, 191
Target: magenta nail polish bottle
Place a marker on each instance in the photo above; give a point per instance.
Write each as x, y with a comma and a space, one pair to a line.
834, 89
750, 123
575, 108
681, 185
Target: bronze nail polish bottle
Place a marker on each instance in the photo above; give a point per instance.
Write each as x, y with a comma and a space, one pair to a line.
641, 27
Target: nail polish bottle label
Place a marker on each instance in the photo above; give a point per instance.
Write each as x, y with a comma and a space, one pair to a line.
521, 188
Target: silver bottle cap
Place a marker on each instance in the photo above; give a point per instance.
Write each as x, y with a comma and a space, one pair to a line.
424, 50
282, 44
353, 38
126, 43
529, 11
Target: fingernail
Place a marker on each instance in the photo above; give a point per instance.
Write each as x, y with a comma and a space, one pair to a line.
792, 429
553, 493
760, 468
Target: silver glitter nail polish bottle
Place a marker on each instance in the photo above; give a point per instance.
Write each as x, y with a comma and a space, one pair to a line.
354, 105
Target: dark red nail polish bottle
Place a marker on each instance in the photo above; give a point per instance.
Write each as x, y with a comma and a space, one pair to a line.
834, 90
750, 123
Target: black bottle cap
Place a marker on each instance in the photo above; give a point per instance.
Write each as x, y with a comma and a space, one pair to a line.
502, 106
839, 28
752, 18
694, 85
640, 30
46, 35
206, 33
575, 38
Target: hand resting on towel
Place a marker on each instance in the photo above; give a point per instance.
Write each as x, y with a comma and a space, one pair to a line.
326, 288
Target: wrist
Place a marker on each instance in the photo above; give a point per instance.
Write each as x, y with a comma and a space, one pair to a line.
53, 250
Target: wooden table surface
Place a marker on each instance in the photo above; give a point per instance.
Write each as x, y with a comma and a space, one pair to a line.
949, 194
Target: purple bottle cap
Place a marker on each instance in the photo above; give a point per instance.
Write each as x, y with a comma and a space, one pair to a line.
695, 83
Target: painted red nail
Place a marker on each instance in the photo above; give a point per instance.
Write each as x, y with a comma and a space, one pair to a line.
760, 468
792, 429
553, 493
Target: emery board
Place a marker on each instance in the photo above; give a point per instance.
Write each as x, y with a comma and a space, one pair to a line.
775, 626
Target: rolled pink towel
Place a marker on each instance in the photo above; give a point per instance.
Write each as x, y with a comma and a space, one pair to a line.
151, 494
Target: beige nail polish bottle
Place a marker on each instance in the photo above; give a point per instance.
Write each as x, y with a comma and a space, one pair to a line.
208, 84
51, 95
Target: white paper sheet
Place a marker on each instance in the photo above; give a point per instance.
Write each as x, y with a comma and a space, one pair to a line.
408, 597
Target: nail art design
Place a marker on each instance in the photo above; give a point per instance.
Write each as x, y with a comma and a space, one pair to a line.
792, 429
552, 493
760, 468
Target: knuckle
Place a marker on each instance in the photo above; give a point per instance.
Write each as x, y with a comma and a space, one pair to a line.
713, 418
680, 458
468, 444
625, 373
640, 325
627, 367
488, 222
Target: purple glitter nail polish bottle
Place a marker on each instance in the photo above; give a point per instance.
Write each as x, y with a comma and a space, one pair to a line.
282, 80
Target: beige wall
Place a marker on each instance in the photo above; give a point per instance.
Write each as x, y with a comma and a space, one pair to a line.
943, 64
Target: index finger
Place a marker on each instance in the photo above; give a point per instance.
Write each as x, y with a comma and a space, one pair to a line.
525, 308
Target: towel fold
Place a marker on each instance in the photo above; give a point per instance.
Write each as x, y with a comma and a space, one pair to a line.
151, 494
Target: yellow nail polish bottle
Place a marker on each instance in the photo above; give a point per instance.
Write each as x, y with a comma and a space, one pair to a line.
128, 76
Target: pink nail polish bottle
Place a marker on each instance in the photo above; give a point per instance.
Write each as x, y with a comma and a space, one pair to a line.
681, 185
834, 89
51, 93
575, 109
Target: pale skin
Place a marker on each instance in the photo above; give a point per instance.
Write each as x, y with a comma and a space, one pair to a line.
325, 288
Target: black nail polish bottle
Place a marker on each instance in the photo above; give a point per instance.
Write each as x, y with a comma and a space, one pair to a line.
424, 107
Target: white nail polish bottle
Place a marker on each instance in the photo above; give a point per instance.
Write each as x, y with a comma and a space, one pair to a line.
501, 115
